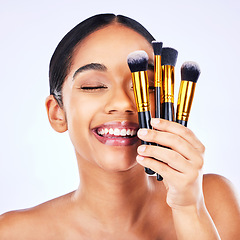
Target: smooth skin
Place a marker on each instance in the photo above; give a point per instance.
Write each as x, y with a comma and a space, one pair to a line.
115, 199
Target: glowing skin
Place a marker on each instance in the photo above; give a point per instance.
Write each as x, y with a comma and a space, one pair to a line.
103, 63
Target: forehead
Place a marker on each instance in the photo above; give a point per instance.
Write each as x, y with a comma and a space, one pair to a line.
112, 43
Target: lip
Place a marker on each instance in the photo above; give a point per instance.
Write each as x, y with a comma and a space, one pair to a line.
117, 140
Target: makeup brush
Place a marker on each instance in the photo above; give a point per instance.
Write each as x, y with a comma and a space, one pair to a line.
138, 64
157, 48
190, 72
169, 59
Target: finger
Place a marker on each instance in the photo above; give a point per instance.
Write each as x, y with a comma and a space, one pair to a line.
161, 168
175, 160
178, 129
175, 142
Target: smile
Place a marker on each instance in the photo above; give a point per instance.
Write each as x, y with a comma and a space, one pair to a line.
117, 133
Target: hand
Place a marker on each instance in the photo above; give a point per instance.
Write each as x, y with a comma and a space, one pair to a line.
180, 164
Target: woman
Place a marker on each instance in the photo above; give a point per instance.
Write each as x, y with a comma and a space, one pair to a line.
91, 96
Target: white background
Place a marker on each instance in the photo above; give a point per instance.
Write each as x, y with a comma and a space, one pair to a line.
37, 164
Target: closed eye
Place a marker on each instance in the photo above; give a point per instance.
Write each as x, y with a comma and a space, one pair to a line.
93, 88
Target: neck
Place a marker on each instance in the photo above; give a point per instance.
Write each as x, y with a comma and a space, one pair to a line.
114, 197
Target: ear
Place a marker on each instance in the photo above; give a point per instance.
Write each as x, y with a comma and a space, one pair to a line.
56, 115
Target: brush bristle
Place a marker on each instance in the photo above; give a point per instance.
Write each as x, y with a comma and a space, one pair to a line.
190, 71
169, 56
138, 61
157, 47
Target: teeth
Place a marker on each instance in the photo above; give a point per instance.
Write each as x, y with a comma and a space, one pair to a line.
111, 131
101, 132
117, 132
123, 132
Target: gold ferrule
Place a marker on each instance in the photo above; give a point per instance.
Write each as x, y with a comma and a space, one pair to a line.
141, 92
185, 99
157, 71
167, 88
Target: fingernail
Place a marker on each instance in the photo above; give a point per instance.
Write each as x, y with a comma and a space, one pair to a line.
155, 121
142, 132
139, 158
141, 148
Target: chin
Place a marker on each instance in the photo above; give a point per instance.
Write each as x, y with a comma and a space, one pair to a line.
123, 161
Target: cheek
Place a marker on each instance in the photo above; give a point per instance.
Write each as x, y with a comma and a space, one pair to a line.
80, 115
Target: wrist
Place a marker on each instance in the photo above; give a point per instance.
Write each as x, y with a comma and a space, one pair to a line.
194, 222
189, 207
194, 209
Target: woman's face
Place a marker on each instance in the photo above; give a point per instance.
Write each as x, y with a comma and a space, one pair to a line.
98, 98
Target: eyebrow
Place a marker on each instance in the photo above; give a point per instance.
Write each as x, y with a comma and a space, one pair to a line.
90, 66
100, 67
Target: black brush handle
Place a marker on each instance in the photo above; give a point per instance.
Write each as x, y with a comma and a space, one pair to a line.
158, 115
144, 122
167, 111
182, 122
157, 102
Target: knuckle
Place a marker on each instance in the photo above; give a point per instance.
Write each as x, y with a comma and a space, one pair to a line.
175, 141
164, 123
176, 156
148, 150
186, 131
202, 148
153, 134
198, 162
178, 141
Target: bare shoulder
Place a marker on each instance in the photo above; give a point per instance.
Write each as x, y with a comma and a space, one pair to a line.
34, 223
218, 189
222, 202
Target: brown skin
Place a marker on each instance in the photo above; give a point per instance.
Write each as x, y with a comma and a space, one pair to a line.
115, 198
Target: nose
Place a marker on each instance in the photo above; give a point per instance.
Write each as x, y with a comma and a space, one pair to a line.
121, 101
